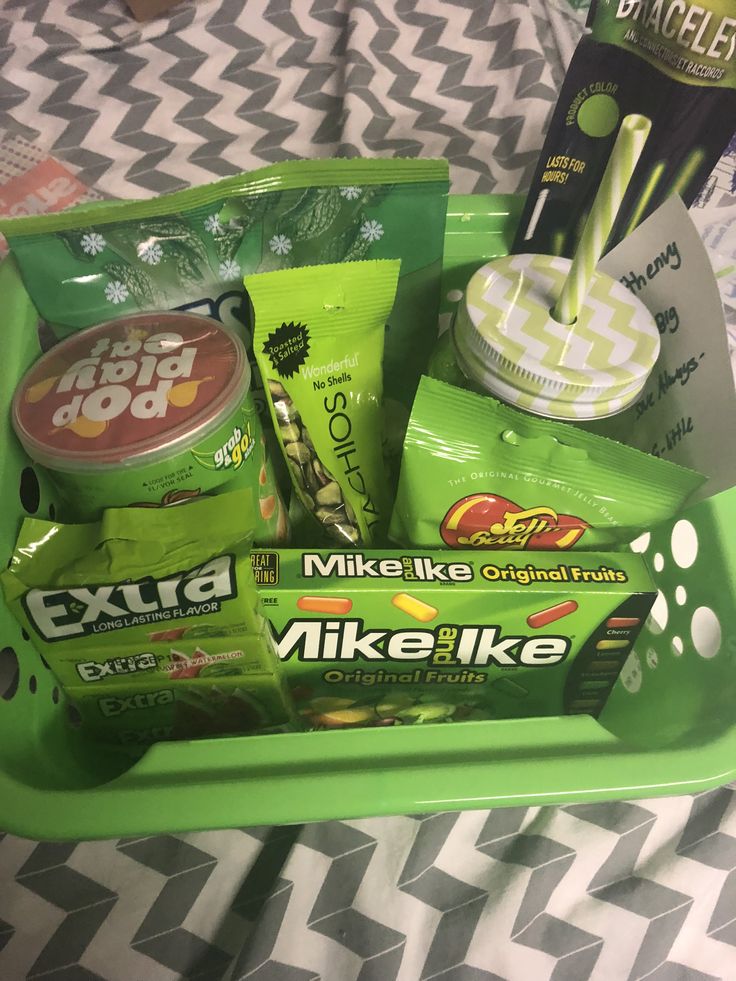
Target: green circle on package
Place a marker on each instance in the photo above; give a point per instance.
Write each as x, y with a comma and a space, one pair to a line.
598, 115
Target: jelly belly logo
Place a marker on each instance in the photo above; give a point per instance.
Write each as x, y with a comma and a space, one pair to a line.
487, 521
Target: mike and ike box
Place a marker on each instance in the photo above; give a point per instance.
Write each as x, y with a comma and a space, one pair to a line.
402, 637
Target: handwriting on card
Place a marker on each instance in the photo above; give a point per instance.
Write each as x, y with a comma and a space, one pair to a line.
664, 264
664, 380
674, 436
667, 258
667, 321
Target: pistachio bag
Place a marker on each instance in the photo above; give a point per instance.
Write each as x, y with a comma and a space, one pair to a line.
318, 340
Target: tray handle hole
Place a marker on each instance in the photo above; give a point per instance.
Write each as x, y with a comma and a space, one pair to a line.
72, 715
9, 673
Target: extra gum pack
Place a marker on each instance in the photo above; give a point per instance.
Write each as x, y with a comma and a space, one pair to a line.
150, 621
405, 637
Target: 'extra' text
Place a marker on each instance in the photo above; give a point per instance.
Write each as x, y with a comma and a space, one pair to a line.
58, 614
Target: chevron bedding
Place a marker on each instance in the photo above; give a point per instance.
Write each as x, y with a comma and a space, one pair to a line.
604, 891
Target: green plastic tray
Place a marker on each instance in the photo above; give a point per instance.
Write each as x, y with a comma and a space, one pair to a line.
668, 728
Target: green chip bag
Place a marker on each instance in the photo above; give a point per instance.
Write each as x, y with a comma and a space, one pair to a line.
190, 250
478, 474
147, 600
318, 340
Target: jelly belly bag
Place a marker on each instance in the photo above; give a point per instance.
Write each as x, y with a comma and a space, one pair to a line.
148, 614
478, 474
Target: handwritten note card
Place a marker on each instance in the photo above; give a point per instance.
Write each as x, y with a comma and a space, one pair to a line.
687, 410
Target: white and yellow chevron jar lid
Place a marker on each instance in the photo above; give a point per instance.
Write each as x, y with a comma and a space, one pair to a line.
507, 341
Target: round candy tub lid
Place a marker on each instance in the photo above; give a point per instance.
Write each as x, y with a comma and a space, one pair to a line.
130, 391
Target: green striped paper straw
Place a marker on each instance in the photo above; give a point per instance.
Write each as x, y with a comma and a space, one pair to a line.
630, 141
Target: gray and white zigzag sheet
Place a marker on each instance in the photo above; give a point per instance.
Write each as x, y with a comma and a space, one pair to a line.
604, 891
